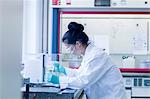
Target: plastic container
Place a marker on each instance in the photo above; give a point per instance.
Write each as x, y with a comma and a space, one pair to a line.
144, 64
128, 62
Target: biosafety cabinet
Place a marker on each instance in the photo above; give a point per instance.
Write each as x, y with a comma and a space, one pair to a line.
120, 27
121, 32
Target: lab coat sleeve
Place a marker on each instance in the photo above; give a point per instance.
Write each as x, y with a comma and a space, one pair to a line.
71, 72
97, 67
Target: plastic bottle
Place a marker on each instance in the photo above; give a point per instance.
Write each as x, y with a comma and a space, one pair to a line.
129, 62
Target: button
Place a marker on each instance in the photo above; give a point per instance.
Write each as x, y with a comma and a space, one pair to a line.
146, 2
140, 81
146, 82
135, 81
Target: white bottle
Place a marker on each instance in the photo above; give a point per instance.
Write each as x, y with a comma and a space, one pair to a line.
129, 62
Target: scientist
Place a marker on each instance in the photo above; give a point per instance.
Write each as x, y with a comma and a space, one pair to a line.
97, 75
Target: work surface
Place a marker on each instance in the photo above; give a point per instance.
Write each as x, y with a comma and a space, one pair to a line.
51, 92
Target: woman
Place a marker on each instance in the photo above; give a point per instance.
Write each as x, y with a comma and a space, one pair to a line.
97, 75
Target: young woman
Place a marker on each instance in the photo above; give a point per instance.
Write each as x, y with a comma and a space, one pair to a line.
97, 75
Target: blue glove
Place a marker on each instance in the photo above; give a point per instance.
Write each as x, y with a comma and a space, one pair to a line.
59, 68
53, 78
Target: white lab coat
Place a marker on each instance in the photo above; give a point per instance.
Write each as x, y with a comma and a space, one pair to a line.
97, 75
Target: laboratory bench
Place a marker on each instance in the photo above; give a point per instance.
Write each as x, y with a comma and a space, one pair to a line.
50, 92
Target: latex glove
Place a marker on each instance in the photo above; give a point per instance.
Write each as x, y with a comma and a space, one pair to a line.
53, 78
59, 68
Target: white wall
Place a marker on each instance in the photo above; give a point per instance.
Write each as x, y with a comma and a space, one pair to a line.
11, 13
50, 31
34, 31
32, 27
122, 28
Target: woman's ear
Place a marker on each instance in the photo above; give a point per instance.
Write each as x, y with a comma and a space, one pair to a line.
78, 44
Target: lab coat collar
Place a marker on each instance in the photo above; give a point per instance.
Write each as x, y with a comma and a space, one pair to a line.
88, 51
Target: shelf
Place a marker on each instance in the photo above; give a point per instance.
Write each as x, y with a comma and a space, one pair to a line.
96, 7
135, 70
63, 6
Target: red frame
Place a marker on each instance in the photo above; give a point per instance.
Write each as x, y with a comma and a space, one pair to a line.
127, 70
100, 12
135, 70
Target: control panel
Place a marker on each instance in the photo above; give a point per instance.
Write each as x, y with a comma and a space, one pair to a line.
141, 82
137, 81
137, 85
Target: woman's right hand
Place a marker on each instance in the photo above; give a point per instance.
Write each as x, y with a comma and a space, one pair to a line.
59, 68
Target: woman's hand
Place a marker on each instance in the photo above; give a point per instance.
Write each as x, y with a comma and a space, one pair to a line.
53, 78
59, 68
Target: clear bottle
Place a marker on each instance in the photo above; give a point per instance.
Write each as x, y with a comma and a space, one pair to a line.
49, 68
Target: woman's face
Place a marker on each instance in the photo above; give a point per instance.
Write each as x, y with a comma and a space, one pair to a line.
70, 48
73, 48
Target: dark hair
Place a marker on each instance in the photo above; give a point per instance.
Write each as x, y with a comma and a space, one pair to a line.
75, 33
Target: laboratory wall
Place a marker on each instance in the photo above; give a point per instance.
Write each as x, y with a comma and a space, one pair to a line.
32, 27
11, 16
114, 27
121, 34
